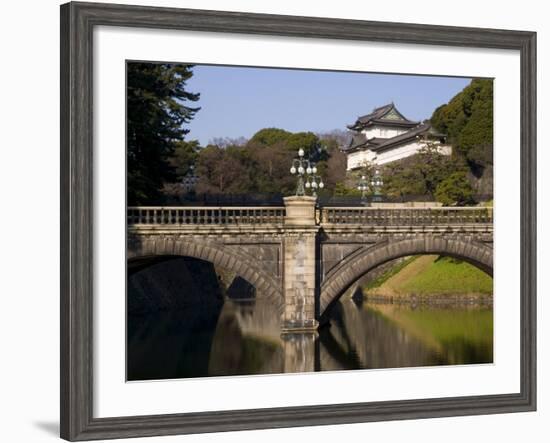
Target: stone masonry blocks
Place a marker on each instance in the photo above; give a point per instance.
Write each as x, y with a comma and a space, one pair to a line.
281, 262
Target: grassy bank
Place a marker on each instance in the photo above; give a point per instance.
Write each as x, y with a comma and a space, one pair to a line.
384, 277
428, 275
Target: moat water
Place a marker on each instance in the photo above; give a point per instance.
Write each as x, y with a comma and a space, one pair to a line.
243, 338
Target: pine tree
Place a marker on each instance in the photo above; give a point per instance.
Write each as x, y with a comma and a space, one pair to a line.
157, 109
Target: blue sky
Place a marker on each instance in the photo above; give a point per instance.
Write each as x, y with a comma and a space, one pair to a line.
238, 101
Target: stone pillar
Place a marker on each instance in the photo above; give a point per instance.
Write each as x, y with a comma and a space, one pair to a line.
299, 244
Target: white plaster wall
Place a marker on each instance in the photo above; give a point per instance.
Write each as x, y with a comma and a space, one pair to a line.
356, 159
445, 149
398, 153
406, 151
383, 132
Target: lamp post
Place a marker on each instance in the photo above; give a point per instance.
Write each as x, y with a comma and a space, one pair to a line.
314, 182
306, 171
190, 179
377, 184
363, 186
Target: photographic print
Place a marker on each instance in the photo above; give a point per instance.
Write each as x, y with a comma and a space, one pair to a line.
287, 220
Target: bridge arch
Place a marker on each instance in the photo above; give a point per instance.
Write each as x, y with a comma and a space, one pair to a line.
158, 246
353, 268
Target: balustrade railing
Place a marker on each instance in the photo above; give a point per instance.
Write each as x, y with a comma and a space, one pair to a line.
190, 215
406, 216
247, 215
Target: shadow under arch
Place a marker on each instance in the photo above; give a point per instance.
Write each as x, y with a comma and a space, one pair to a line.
354, 267
150, 250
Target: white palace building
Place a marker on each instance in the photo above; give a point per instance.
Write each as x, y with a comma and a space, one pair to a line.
385, 135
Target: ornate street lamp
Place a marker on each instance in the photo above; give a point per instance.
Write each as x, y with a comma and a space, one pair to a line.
305, 169
363, 186
314, 182
190, 179
377, 184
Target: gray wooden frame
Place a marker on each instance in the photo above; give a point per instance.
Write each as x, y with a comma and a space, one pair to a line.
77, 24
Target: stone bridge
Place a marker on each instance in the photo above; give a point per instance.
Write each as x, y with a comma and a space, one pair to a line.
300, 258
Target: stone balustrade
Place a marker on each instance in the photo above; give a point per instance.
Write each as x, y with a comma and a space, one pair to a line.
251, 215
406, 216
204, 215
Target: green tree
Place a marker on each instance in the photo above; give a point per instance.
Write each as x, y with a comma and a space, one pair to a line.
468, 122
262, 164
402, 179
333, 170
271, 175
184, 157
223, 171
290, 141
270, 136
455, 190
273, 150
158, 107
433, 167
310, 143
341, 189
419, 174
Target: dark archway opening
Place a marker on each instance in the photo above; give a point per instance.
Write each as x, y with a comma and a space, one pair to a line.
173, 305
190, 318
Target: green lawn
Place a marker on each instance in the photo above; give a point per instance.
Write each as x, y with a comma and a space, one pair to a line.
432, 275
381, 279
449, 276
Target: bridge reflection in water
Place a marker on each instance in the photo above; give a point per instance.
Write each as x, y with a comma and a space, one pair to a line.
241, 338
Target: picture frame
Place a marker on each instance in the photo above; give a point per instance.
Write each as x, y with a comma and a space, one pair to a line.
77, 217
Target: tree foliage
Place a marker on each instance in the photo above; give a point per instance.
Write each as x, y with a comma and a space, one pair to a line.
158, 108
401, 179
420, 174
222, 170
333, 170
455, 190
433, 166
468, 121
262, 164
270, 136
290, 141
341, 190
184, 157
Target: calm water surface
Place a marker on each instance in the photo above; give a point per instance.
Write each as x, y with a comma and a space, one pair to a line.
242, 337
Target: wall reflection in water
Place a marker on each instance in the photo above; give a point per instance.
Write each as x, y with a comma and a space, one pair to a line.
242, 337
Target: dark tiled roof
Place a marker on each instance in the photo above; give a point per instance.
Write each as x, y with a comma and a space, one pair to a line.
405, 137
380, 144
381, 116
357, 140
375, 141
375, 114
